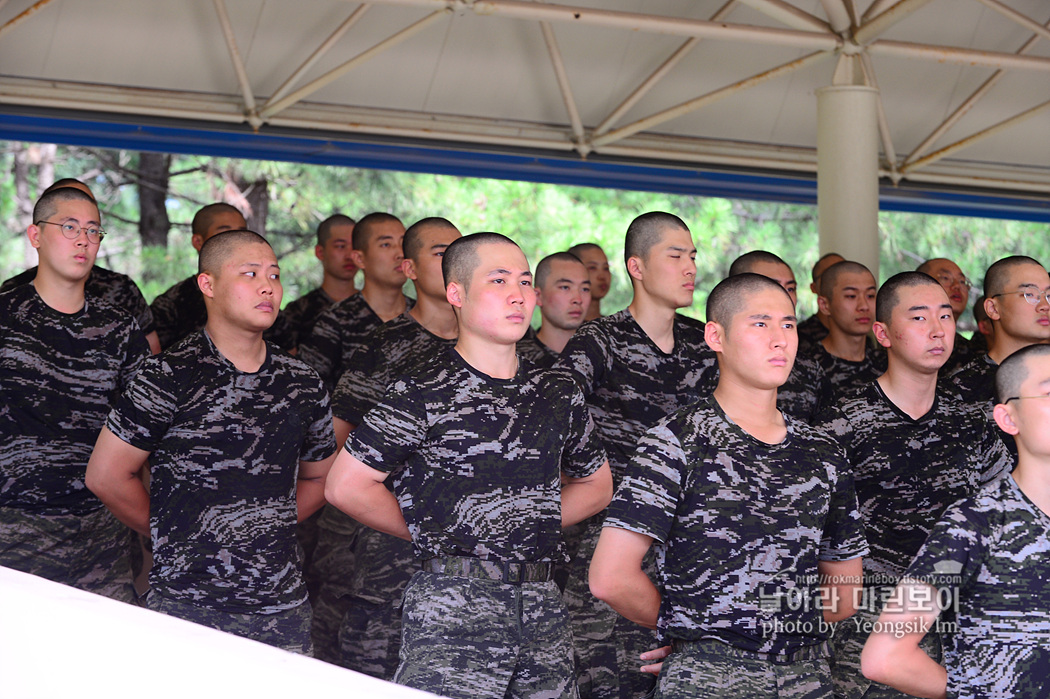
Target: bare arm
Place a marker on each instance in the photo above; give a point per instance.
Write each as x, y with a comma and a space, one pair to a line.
839, 581
583, 497
114, 475
357, 489
616, 576
309, 488
154, 342
892, 654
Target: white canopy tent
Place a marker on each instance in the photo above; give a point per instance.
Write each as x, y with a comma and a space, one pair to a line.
655, 90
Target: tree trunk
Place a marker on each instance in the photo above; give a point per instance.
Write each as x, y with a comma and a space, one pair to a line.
154, 224
257, 195
23, 204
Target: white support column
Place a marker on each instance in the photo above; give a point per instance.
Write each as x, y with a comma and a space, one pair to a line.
848, 173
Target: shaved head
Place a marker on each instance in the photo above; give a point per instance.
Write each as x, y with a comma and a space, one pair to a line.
889, 295
646, 231
368, 224
203, 219
831, 275
461, 256
1014, 370
412, 244
217, 249
730, 295
47, 204
998, 275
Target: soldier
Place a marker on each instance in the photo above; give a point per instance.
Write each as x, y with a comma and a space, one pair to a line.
987, 561
815, 328
1017, 301
754, 512
807, 388
563, 294
65, 356
340, 330
180, 310
634, 367
847, 297
118, 290
335, 251
480, 443
981, 339
957, 286
593, 257
360, 613
913, 450
239, 440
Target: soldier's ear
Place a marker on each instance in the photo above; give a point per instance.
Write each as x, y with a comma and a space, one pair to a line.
1004, 417
992, 309
358, 256
881, 332
33, 233
635, 267
714, 335
408, 266
824, 305
206, 284
454, 294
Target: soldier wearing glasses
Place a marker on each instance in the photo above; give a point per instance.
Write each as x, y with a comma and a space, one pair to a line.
1017, 300
64, 358
957, 286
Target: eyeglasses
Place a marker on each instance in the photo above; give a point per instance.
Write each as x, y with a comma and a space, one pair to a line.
949, 281
1032, 297
1023, 398
72, 231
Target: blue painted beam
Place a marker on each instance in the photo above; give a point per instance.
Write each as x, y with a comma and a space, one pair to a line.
237, 141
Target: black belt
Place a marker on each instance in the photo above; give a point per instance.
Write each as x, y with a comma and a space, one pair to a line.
724, 650
501, 571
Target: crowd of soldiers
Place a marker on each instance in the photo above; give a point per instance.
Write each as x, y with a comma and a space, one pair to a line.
425, 489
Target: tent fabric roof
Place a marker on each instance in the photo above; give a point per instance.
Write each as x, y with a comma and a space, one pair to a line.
676, 85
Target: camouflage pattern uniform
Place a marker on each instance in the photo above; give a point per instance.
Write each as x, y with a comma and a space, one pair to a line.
992, 553
535, 351
741, 525
301, 314
844, 375
630, 384
338, 333
962, 354
906, 472
118, 290
225, 449
477, 464
178, 312
370, 634
810, 332
974, 382
59, 375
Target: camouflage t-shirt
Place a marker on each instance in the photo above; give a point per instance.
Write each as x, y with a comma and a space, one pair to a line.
178, 312
535, 351
225, 449
59, 376
907, 471
301, 314
338, 333
974, 381
630, 383
390, 351
743, 524
478, 460
962, 352
118, 290
810, 332
844, 375
991, 557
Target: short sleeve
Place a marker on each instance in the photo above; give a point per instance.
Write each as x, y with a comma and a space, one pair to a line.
585, 358
319, 437
142, 415
843, 537
391, 431
583, 453
135, 356
955, 547
320, 348
648, 496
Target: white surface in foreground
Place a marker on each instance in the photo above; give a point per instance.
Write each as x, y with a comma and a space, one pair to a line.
57, 641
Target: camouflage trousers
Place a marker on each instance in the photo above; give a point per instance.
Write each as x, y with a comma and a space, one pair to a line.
847, 641
469, 638
711, 669
332, 570
607, 646
370, 636
288, 630
89, 552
